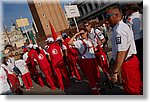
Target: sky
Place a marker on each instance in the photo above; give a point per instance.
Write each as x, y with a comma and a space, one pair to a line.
13, 9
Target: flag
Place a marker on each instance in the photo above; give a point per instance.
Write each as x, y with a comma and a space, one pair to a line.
54, 35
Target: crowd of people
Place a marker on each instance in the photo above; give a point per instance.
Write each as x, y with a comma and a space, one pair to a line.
60, 59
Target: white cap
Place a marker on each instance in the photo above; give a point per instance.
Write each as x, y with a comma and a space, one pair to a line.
59, 38
30, 46
50, 39
35, 46
64, 34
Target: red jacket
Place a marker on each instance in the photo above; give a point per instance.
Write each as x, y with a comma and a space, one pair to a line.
31, 56
72, 53
55, 54
42, 60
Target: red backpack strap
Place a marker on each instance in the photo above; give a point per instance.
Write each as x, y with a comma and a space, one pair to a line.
84, 49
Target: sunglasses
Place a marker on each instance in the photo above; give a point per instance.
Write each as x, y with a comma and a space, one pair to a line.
109, 15
82, 33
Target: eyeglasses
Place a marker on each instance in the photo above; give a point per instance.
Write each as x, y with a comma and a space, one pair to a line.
109, 15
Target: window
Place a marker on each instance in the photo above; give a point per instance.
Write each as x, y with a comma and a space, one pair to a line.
39, 4
47, 26
43, 15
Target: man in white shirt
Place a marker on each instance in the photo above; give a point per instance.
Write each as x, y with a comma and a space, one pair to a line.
98, 40
135, 20
123, 53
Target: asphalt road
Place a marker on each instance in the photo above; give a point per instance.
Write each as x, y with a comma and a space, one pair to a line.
76, 88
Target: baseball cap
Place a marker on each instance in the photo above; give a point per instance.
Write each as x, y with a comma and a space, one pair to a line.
50, 39
30, 46
58, 39
35, 46
64, 35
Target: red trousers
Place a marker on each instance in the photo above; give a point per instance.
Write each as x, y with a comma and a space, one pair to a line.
90, 70
27, 80
49, 76
14, 81
73, 69
131, 77
60, 72
35, 72
102, 59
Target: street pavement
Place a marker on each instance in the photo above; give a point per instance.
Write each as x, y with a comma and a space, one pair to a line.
76, 88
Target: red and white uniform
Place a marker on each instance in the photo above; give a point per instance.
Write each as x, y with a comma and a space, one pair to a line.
88, 63
122, 40
4, 86
45, 67
58, 65
32, 68
14, 81
72, 55
95, 35
25, 56
21, 65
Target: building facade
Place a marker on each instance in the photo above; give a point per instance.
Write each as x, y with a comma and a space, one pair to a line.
44, 11
94, 9
13, 37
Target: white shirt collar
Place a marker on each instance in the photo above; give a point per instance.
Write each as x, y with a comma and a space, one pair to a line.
117, 25
135, 13
92, 30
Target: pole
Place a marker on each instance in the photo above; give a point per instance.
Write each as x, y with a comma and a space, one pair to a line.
36, 30
25, 30
34, 36
76, 23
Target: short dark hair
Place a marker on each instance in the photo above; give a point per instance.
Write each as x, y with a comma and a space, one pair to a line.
86, 22
115, 7
83, 29
133, 7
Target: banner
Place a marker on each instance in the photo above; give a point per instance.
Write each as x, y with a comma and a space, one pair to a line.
54, 35
72, 11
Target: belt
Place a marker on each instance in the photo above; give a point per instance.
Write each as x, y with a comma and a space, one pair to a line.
129, 58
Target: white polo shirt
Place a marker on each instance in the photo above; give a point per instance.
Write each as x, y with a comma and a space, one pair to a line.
21, 65
81, 47
136, 22
25, 56
95, 38
4, 86
122, 38
8, 68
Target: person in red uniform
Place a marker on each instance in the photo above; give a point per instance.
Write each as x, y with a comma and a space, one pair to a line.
32, 68
98, 39
72, 55
87, 60
40, 57
13, 79
56, 57
26, 78
123, 53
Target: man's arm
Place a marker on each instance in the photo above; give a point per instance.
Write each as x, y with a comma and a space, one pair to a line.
118, 63
72, 39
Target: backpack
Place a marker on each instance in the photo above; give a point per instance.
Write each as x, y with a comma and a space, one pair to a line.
104, 34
